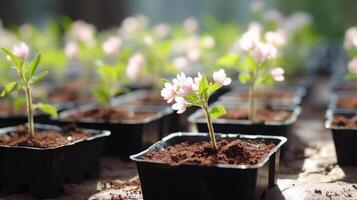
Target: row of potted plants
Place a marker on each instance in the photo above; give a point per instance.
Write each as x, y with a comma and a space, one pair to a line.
205, 165
342, 108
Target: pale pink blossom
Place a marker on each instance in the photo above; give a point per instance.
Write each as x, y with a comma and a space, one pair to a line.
112, 46
184, 84
82, 31
278, 74
191, 24
135, 65
194, 54
250, 38
169, 92
274, 15
162, 30
262, 52
180, 63
197, 81
257, 5
276, 38
21, 50
180, 105
352, 66
350, 38
221, 77
132, 24
71, 49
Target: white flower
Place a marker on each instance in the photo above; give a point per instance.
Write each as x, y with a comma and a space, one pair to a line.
136, 63
352, 66
256, 6
191, 24
21, 50
162, 30
194, 55
180, 105
148, 40
71, 49
184, 84
132, 24
277, 73
180, 63
112, 45
221, 77
196, 81
350, 38
82, 31
169, 92
262, 52
250, 38
277, 38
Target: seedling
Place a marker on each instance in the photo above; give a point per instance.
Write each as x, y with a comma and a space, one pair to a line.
108, 82
26, 79
188, 91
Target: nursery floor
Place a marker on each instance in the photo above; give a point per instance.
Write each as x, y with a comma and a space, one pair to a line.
309, 170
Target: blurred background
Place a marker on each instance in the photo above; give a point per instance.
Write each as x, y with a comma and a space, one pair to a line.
331, 19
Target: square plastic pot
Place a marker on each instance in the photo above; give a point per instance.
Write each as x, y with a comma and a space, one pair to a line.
345, 139
334, 100
127, 136
161, 181
42, 172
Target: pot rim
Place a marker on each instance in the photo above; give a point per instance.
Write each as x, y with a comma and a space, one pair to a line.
95, 134
330, 113
161, 144
195, 117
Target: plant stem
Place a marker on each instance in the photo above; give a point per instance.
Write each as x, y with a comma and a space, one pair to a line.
210, 128
252, 111
30, 112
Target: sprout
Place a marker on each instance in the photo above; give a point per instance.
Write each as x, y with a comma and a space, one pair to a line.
187, 91
26, 79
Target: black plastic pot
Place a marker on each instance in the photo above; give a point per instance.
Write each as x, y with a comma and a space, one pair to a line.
334, 100
127, 136
299, 93
42, 172
161, 181
345, 139
245, 126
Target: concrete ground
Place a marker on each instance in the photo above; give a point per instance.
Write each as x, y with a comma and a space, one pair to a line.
308, 171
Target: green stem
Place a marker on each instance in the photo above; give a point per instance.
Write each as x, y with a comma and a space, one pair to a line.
30, 112
210, 128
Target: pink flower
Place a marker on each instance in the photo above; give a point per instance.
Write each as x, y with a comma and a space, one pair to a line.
278, 74
184, 84
352, 66
180, 63
169, 92
262, 52
180, 105
350, 38
82, 31
162, 30
250, 38
21, 50
112, 45
221, 78
197, 81
71, 49
277, 38
136, 63
191, 24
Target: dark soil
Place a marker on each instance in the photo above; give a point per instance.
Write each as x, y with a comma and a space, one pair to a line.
263, 114
110, 115
349, 102
43, 138
342, 121
277, 94
229, 152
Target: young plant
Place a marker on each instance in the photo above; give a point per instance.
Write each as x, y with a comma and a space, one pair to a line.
188, 91
26, 79
108, 82
256, 67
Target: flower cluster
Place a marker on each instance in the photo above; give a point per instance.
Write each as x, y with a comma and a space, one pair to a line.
183, 86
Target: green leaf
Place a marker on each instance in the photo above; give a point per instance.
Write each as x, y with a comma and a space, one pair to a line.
19, 103
217, 111
193, 99
213, 88
14, 58
34, 65
203, 85
229, 60
244, 78
101, 94
39, 77
8, 88
47, 108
